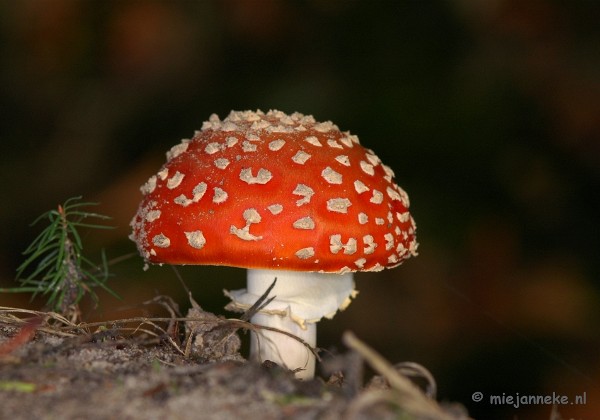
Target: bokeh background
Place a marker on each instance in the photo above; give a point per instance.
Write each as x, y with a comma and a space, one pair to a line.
488, 112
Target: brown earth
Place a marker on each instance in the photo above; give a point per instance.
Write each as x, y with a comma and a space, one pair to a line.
147, 368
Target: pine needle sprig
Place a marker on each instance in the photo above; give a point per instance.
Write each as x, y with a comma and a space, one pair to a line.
55, 265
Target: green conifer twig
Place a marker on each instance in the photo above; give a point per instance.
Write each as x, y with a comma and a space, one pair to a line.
55, 265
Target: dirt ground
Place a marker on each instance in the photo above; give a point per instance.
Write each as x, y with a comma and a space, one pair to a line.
51, 368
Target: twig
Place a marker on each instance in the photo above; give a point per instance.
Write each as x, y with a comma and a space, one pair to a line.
409, 397
261, 303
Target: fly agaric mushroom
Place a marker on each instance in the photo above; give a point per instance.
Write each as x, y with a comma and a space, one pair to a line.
288, 198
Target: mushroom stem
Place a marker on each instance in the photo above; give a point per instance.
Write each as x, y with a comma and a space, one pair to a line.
301, 300
283, 349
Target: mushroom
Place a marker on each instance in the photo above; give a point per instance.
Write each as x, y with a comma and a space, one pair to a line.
286, 197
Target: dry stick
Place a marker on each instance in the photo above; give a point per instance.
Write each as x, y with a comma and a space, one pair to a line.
414, 401
189, 334
169, 304
86, 325
7, 315
178, 275
415, 370
261, 303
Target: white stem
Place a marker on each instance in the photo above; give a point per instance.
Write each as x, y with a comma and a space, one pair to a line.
283, 349
302, 299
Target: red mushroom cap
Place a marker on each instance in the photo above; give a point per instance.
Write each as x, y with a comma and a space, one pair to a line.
274, 191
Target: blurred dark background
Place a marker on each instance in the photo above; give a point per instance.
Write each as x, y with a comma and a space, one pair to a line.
488, 112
